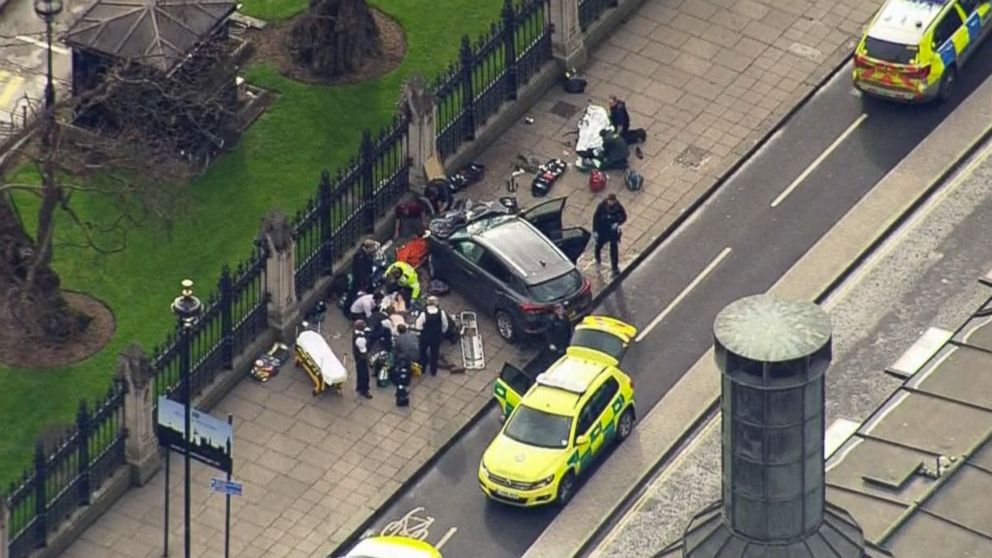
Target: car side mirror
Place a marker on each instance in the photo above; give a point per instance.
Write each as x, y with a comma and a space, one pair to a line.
581, 440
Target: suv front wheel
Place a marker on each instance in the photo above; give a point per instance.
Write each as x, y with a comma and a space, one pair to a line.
506, 326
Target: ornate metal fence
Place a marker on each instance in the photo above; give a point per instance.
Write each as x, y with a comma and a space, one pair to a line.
346, 207
234, 316
490, 72
66, 476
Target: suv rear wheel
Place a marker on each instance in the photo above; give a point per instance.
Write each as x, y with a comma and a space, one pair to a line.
505, 326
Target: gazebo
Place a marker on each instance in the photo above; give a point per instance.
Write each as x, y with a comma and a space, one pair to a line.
160, 39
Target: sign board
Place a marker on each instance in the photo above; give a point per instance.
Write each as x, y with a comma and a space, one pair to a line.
225, 486
210, 441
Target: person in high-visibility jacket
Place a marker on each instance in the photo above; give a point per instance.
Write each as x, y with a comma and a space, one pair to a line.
404, 277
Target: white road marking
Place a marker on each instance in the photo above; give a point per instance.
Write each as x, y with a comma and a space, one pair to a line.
42, 44
410, 525
685, 292
445, 538
896, 238
785, 193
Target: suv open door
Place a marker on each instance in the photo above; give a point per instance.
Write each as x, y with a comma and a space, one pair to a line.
546, 216
510, 387
602, 337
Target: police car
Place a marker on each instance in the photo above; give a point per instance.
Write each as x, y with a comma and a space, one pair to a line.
914, 49
561, 422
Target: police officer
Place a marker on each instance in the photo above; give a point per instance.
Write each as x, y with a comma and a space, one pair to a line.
559, 332
432, 323
360, 345
606, 222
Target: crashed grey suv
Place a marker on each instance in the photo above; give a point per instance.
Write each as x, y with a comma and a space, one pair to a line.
515, 266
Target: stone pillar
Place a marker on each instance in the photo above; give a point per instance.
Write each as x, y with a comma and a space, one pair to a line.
141, 448
567, 44
276, 238
417, 100
773, 355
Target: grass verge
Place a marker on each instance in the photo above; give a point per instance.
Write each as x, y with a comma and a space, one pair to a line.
276, 164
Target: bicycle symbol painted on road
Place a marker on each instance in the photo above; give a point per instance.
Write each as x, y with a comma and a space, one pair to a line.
410, 525
416, 527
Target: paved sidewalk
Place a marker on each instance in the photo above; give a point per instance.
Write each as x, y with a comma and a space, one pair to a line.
706, 80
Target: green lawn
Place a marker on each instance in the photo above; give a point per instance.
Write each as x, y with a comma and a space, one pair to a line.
277, 164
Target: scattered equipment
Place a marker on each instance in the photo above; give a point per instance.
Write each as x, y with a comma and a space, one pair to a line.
547, 175
633, 180
267, 365
597, 180
473, 357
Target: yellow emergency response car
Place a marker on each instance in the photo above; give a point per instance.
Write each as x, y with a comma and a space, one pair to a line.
559, 423
914, 49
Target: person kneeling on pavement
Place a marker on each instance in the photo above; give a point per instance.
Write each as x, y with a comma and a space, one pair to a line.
402, 277
615, 151
363, 306
432, 323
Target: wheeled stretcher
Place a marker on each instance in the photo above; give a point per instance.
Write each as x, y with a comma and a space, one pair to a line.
314, 355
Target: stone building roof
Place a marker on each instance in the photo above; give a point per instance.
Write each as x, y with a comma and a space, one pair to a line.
158, 33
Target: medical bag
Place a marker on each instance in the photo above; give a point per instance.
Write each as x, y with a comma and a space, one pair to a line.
597, 180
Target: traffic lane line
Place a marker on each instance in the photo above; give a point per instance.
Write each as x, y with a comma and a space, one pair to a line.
816, 162
41, 44
685, 292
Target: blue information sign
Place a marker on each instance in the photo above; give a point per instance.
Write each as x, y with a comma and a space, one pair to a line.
226, 487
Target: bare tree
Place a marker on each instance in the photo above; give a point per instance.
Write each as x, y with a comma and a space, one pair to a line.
146, 134
335, 37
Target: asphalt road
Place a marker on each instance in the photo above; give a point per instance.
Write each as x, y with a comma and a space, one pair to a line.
924, 276
737, 244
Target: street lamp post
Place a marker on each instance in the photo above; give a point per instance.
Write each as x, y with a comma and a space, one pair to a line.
47, 10
187, 309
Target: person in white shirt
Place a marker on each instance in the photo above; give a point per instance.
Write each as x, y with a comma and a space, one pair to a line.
365, 304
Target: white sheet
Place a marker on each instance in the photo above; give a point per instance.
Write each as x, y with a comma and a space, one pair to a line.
330, 366
593, 121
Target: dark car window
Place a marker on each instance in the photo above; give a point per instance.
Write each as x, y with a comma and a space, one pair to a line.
946, 27
517, 379
537, 428
586, 417
491, 264
472, 251
554, 289
599, 341
605, 394
886, 51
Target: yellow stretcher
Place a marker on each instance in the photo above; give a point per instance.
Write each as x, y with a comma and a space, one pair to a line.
314, 355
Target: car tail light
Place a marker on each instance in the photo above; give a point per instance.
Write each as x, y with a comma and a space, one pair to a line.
586, 287
861, 61
531, 308
916, 72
